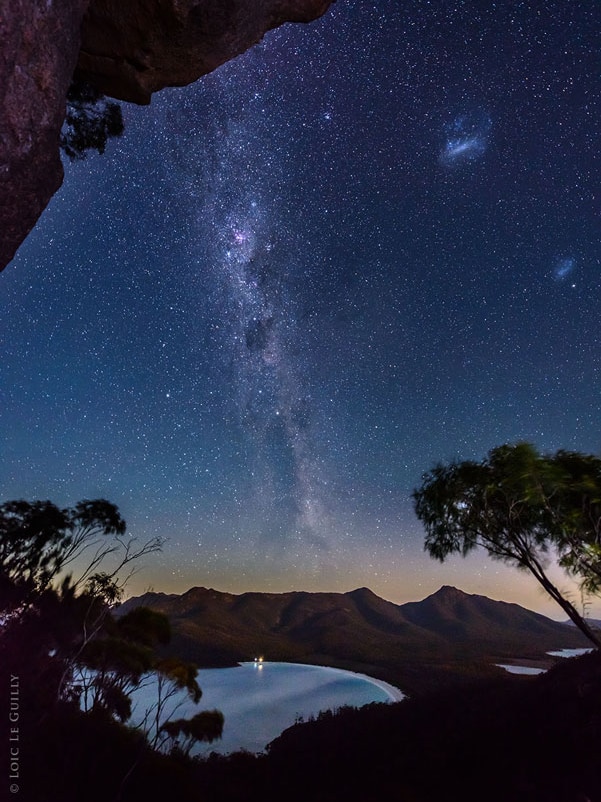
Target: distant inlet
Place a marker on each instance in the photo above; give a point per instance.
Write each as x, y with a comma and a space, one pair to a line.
260, 699
528, 670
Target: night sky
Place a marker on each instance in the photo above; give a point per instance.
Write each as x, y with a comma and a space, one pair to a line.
369, 244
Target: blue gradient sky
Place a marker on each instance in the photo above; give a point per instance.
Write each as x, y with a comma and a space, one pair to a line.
369, 244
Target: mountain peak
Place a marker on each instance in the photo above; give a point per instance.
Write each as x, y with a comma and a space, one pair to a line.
363, 591
449, 592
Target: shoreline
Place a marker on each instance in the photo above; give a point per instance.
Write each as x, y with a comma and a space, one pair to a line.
395, 694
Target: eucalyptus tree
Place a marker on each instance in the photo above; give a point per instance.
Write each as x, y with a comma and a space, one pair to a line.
523, 508
91, 120
61, 572
64, 639
40, 542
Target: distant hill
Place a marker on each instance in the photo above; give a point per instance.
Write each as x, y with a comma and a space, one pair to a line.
448, 636
593, 622
463, 618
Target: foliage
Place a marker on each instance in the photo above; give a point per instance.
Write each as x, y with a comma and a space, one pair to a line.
145, 626
577, 516
57, 624
173, 675
59, 634
38, 540
521, 507
205, 726
73, 756
90, 121
181, 674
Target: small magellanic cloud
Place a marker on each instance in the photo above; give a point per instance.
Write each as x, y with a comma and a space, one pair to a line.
564, 268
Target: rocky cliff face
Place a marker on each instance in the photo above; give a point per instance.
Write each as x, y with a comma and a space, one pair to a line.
39, 45
127, 49
133, 49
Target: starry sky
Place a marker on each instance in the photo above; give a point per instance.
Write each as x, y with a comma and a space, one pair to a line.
368, 244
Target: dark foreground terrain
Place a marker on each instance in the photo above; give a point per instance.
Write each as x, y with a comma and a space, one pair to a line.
534, 739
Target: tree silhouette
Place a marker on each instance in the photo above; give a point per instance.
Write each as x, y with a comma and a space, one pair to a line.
520, 506
55, 593
62, 572
90, 121
205, 726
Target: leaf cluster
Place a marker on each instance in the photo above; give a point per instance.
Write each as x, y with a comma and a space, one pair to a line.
90, 121
206, 726
76, 651
38, 540
520, 506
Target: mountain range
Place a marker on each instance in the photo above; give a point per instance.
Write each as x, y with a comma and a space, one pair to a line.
450, 636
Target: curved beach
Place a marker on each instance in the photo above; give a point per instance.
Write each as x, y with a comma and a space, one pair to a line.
395, 694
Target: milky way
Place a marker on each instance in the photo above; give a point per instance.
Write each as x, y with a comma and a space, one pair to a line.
290, 289
238, 232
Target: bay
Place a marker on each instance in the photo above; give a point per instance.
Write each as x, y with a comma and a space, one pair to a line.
261, 699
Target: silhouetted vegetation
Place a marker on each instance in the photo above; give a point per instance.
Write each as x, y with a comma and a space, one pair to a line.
90, 121
519, 506
66, 662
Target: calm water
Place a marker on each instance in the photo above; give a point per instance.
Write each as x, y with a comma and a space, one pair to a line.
526, 670
570, 652
557, 653
260, 700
